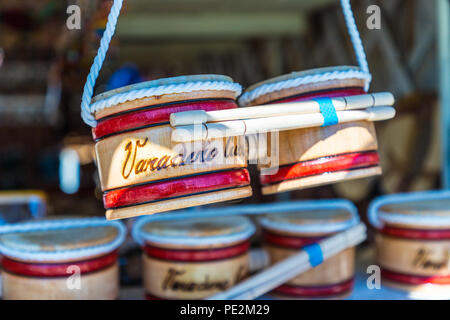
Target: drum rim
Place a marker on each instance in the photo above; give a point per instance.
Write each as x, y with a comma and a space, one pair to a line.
45, 255
162, 82
142, 237
164, 86
378, 218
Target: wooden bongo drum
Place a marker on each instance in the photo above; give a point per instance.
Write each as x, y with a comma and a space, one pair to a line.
72, 259
195, 258
413, 241
142, 171
285, 233
316, 156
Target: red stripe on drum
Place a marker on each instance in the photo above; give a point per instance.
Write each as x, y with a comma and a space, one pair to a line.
57, 269
151, 116
323, 165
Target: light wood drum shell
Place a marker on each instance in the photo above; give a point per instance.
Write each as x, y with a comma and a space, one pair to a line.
331, 279
143, 172
317, 156
214, 259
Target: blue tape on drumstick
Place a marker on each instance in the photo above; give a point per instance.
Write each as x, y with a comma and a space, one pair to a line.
328, 111
315, 254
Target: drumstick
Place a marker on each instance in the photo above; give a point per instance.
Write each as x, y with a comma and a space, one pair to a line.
343, 103
279, 123
293, 266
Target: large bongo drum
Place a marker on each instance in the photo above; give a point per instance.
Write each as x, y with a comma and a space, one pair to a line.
142, 171
73, 259
413, 241
310, 157
193, 258
285, 234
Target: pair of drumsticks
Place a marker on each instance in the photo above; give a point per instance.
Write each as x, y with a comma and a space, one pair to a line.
202, 125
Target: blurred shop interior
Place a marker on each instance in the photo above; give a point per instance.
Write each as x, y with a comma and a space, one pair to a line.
45, 145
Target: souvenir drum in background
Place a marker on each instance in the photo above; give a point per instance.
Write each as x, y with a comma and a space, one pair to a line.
321, 155
195, 258
413, 241
61, 259
285, 233
142, 171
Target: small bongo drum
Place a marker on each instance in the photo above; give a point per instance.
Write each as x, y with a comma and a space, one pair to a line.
142, 171
413, 241
285, 233
72, 259
322, 155
195, 258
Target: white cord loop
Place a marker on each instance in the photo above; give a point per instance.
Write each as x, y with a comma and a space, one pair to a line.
86, 111
355, 37
166, 89
341, 74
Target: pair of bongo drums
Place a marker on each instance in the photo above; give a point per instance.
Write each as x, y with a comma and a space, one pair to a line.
199, 257
143, 171
413, 242
69, 259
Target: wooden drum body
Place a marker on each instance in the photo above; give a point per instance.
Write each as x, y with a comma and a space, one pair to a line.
413, 242
62, 263
316, 156
285, 233
194, 259
143, 172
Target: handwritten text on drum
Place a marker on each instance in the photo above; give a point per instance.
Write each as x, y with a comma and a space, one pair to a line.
207, 152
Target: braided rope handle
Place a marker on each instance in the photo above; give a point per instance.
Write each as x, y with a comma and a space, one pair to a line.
356, 39
353, 73
87, 109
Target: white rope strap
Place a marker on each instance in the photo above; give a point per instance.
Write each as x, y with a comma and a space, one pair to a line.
69, 254
166, 89
355, 37
377, 217
141, 237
